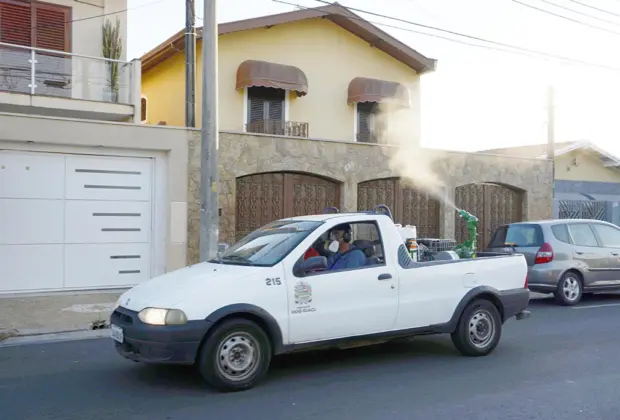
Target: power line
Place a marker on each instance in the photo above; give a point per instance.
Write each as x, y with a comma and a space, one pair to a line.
54, 25
567, 18
611, 22
595, 8
513, 48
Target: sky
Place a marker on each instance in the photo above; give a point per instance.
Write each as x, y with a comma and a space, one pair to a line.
479, 97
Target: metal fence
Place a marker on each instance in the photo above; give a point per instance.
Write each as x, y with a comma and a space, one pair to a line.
577, 209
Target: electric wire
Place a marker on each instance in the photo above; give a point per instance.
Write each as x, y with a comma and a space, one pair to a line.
496, 45
595, 8
611, 22
566, 18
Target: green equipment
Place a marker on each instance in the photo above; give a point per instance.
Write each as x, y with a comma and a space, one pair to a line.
467, 249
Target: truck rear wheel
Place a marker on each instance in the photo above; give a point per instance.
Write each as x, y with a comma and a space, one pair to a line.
235, 356
479, 329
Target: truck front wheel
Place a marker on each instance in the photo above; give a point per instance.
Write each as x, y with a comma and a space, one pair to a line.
479, 329
235, 356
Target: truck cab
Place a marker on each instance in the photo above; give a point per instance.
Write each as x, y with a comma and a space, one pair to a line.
328, 280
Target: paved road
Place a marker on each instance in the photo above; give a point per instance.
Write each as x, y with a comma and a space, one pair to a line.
559, 364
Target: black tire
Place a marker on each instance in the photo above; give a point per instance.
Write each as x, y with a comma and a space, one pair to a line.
570, 289
250, 339
479, 313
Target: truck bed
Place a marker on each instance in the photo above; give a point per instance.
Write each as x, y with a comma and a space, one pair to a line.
407, 263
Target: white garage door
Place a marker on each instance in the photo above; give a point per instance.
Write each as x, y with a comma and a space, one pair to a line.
73, 221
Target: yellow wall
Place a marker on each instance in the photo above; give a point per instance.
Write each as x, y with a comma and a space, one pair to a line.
329, 56
588, 168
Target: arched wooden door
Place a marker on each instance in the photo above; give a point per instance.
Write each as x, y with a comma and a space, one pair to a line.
493, 204
408, 205
263, 198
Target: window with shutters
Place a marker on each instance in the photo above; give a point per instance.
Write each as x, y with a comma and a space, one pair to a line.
369, 126
266, 110
35, 24
39, 25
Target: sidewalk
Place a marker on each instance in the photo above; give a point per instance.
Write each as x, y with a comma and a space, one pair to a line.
23, 316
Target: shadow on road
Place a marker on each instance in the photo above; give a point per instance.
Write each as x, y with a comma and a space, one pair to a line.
587, 299
387, 358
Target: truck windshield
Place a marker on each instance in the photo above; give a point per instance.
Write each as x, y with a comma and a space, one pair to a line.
268, 245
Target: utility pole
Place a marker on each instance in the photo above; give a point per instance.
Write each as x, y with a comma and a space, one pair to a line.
551, 139
209, 217
551, 123
190, 63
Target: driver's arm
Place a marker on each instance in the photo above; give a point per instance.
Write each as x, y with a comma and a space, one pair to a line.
356, 259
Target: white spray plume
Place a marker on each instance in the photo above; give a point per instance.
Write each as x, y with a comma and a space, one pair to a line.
415, 165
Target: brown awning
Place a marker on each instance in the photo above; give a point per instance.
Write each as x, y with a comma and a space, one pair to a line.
280, 76
362, 89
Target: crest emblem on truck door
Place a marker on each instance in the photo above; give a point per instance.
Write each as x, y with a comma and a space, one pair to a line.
303, 293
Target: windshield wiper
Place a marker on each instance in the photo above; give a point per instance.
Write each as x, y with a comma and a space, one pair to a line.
236, 258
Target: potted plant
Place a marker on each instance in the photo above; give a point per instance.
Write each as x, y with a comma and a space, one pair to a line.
112, 49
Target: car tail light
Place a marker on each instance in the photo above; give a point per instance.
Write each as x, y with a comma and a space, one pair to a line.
525, 285
544, 254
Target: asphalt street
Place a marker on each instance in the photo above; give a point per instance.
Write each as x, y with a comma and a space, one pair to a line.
559, 364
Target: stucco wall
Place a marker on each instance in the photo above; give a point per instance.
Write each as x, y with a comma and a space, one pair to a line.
350, 163
329, 56
584, 166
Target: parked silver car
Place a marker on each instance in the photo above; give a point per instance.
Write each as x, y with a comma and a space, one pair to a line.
566, 257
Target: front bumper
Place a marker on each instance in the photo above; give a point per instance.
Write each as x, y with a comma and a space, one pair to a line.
515, 302
172, 344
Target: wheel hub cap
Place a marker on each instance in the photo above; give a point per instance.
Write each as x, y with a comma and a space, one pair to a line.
237, 356
481, 328
571, 288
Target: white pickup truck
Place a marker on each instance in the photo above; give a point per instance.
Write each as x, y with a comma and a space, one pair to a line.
280, 290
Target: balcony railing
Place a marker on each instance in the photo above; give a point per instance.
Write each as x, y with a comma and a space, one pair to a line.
368, 137
278, 128
41, 72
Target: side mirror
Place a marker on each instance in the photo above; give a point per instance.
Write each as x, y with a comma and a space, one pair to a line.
310, 265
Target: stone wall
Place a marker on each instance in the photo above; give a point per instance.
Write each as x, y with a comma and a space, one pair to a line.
351, 163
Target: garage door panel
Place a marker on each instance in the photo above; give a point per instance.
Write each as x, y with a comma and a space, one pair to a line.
31, 221
107, 222
116, 265
31, 175
89, 178
30, 267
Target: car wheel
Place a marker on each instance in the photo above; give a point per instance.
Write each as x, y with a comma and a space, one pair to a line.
479, 329
235, 356
570, 290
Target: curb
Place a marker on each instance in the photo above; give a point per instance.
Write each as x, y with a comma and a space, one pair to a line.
6, 333
61, 336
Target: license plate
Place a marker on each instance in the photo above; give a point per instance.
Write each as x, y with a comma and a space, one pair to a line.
116, 333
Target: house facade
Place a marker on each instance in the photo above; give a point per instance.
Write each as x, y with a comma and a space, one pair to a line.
320, 108
586, 177
89, 197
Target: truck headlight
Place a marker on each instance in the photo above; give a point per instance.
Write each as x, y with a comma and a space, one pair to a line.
160, 316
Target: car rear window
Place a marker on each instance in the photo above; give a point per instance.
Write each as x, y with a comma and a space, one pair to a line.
521, 235
561, 233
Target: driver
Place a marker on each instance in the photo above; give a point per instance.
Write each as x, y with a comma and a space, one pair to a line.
347, 256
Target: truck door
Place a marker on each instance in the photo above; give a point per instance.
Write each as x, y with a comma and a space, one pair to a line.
343, 302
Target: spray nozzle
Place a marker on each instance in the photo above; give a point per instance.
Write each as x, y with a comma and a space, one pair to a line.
467, 216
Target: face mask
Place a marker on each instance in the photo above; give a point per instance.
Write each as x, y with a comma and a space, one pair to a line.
334, 246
